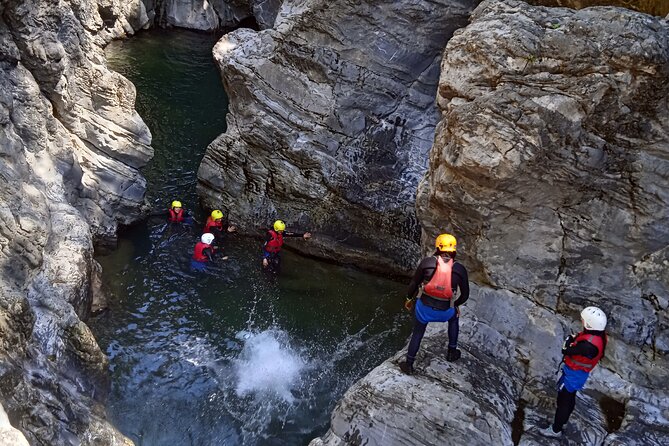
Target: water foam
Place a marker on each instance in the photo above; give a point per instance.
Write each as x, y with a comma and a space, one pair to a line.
267, 365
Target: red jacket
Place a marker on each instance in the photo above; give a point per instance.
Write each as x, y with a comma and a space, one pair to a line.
578, 362
199, 254
274, 245
211, 223
176, 217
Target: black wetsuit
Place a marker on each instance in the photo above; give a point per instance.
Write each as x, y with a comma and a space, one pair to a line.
423, 274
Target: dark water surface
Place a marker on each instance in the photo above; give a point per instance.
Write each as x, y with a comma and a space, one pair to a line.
228, 356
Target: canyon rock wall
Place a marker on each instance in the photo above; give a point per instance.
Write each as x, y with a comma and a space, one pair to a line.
551, 165
71, 146
210, 15
331, 119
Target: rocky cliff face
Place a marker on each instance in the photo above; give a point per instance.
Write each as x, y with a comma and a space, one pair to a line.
551, 165
209, 15
71, 146
331, 118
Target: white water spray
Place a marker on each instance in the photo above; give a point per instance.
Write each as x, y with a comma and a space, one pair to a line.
267, 365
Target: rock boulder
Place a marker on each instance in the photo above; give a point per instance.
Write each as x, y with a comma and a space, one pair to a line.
71, 146
550, 163
331, 118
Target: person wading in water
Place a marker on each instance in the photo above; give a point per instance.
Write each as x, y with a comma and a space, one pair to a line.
271, 260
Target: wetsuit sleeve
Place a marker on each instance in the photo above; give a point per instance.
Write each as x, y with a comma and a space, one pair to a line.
209, 253
293, 234
583, 348
463, 283
419, 276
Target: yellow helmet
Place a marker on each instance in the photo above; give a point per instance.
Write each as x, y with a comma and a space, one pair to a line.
279, 226
216, 214
176, 204
446, 243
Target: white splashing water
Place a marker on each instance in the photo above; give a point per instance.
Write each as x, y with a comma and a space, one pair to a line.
267, 365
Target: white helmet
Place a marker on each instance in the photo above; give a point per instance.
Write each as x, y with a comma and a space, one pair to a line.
593, 318
208, 238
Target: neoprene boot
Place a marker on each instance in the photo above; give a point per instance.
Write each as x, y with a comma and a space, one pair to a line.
453, 354
406, 368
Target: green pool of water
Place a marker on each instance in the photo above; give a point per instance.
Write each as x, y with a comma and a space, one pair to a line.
228, 356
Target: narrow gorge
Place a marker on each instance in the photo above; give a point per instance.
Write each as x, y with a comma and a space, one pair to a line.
537, 134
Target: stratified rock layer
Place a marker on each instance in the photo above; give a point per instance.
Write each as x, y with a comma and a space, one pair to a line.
331, 118
551, 164
71, 146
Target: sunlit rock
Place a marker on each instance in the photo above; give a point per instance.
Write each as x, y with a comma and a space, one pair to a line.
71, 146
550, 164
331, 119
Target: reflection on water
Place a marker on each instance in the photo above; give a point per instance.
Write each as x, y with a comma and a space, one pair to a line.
227, 356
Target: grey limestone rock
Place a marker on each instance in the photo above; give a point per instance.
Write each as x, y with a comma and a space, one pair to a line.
265, 12
209, 15
550, 164
71, 147
331, 118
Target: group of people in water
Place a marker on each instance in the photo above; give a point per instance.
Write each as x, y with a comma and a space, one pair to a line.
210, 244
440, 285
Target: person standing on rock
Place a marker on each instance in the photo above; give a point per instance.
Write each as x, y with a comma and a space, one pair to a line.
581, 353
432, 297
271, 260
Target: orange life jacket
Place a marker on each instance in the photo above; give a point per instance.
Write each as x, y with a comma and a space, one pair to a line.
578, 362
439, 285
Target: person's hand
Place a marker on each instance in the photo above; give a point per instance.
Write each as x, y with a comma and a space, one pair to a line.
568, 341
232, 228
307, 235
409, 304
265, 262
457, 311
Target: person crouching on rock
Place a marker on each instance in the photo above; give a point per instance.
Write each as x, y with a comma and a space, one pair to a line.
438, 277
204, 252
581, 353
271, 260
215, 225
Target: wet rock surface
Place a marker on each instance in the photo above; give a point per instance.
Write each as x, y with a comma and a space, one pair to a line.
331, 118
550, 163
71, 146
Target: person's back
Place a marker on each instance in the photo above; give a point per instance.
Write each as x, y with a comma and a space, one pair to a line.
436, 282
